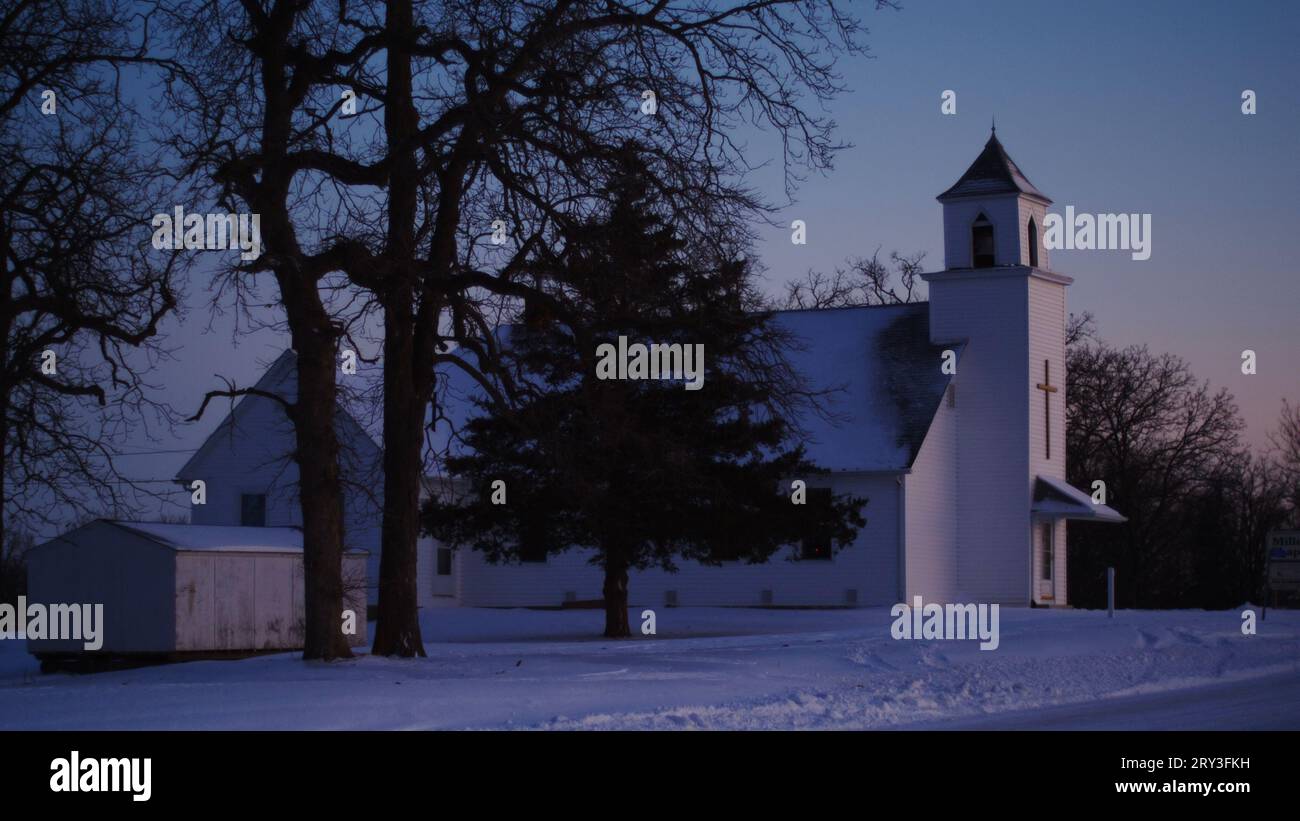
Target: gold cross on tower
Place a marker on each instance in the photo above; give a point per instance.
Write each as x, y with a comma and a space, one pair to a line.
1048, 389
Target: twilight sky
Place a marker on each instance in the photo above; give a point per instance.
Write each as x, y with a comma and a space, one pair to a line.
1109, 106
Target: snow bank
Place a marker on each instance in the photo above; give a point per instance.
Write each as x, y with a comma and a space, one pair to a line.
711, 668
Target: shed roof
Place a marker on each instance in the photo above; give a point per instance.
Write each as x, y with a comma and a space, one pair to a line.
217, 537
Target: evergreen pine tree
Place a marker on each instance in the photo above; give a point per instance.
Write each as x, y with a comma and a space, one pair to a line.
644, 471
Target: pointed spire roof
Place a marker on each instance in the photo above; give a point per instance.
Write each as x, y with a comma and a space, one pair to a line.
992, 173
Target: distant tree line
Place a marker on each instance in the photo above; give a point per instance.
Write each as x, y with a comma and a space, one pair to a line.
1199, 502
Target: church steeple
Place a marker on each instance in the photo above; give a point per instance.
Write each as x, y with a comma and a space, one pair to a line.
993, 172
999, 297
993, 214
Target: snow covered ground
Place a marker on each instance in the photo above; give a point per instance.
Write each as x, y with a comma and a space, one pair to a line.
715, 669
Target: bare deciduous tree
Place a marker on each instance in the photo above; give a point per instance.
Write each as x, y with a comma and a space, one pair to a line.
82, 297
1142, 423
865, 281
1225, 524
499, 113
252, 118
471, 114
1286, 441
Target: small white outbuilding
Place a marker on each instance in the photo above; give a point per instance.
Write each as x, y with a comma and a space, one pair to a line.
176, 589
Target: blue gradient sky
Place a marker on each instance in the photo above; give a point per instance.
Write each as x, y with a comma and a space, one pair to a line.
1108, 106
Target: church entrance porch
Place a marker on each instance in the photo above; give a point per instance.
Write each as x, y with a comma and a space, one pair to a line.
1054, 502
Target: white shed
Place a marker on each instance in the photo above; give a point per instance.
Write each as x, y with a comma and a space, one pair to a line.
176, 589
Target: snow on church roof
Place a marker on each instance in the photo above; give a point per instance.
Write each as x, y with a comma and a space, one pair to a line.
889, 378
878, 361
993, 172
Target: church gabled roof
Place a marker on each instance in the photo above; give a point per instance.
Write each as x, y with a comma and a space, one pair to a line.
280, 378
883, 375
889, 379
992, 173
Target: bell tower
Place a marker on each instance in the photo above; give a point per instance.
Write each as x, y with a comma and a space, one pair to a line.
998, 297
993, 215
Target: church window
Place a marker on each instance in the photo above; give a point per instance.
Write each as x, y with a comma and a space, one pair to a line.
981, 235
532, 542
1049, 551
444, 561
817, 544
1033, 243
252, 510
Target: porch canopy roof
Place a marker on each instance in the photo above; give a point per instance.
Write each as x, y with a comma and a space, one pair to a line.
1058, 499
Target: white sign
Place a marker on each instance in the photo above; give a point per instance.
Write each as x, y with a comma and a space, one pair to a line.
1283, 552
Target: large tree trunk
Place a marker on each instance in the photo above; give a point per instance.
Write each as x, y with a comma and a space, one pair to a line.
398, 630
315, 340
615, 591
5, 296
4, 502
321, 495
4, 452
405, 392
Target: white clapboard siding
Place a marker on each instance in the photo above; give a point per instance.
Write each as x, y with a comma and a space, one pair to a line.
869, 567
1038, 211
1047, 343
989, 307
930, 510
240, 602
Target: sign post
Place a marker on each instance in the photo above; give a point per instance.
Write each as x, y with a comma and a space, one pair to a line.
1110, 592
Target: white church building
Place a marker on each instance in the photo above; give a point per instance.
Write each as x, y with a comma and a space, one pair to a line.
963, 466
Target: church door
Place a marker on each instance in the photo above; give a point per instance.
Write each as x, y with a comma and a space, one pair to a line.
1045, 561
